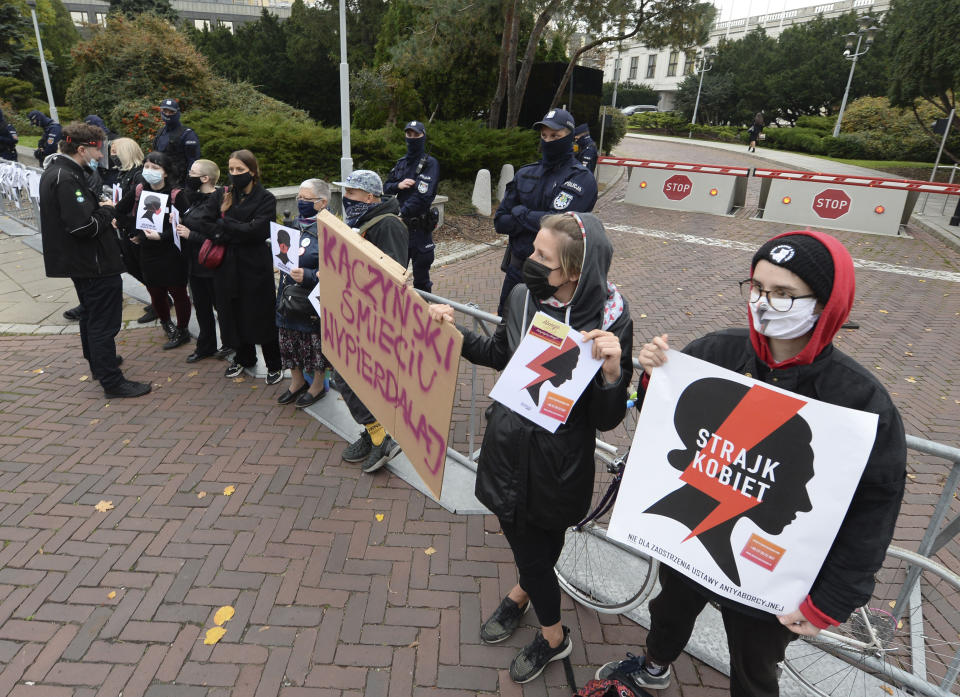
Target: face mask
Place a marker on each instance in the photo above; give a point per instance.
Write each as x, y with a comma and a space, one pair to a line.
556, 151
170, 119
115, 162
415, 146
793, 323
240, 181
535, 277
93, 164
354, 210
152, 176
193, 183
306, 209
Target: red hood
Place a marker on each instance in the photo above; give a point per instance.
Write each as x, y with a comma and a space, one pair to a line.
834, 314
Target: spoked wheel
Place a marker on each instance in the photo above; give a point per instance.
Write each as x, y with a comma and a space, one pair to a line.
598, 572
904, 642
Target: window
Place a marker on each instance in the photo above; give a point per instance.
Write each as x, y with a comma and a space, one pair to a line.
651, 65
102, 19
201, 24
689, 59
78, 18
226, 25
634, 63
672, 65
616, 70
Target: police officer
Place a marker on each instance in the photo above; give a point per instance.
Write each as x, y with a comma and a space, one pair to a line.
52, 132
413, 180
8, 139
585, 148
179, 143
555, 184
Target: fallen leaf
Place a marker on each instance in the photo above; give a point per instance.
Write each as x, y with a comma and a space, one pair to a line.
921, 280
104, 506
413, 644
908, 353
112, 595
884, 312
84, 378
94, 422
264, 628
37, 371
169, 379
223, 614
887, 689
201, 494
214, 634
193, 373
892, 603
643, 316
911, 379
41, 550
126, 441
379, 517
911, 476
429, 550
239, 379
229, 490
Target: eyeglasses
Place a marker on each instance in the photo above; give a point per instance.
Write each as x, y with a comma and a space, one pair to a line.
778, 300
311, 200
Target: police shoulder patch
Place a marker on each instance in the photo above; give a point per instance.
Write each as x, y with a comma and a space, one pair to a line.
562, 200
572, 185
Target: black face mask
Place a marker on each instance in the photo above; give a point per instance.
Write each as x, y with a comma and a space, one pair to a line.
556, 151
535, 277
193, 183
415, 146
240, 181
115, 162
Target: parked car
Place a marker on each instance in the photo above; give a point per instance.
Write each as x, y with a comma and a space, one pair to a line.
638, 108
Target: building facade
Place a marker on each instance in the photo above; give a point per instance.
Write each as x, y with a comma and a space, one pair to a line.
201, 13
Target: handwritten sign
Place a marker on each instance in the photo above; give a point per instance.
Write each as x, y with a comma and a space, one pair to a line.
738, 484
378, 334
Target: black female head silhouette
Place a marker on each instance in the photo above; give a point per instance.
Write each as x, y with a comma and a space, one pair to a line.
765, 483
151, 206
556, 364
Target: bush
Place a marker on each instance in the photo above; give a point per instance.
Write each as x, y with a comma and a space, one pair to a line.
665, 121
615, 131
818, 123
796, 139
17, 93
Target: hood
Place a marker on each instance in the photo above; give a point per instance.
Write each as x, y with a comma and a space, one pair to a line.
389, 205
39, 118
834, 313
95, 120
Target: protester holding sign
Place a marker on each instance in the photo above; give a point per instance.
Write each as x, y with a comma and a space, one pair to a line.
799, 294
536, 482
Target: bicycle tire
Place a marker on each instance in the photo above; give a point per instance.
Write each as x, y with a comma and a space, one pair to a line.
919, 647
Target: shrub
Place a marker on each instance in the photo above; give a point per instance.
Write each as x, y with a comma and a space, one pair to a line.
613, 132
818, 123
665, 121
796, 139
17, 93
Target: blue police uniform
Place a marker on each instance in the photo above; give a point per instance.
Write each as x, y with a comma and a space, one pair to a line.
52, 133
415, 202
555, 184
586, 148
178, 142
8, 139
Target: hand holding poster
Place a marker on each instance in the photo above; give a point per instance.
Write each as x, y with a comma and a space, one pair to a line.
551, 353
150, 211
738, 484
285, 247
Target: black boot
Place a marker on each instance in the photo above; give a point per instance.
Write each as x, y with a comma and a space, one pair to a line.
73, 314
179, 338
169, 328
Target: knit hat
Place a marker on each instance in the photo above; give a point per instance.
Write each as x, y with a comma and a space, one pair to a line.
363, 179
805, 256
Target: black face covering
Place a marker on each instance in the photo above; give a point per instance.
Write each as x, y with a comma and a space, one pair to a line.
115, 162
240, 181
535, 277
415, 147
193, 183
556, 151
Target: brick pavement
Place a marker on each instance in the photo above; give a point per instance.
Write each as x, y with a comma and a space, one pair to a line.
328, 570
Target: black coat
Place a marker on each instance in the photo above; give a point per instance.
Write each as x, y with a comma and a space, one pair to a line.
161, 263
198, 218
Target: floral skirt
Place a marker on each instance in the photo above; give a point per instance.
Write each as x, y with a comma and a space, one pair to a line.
301, 350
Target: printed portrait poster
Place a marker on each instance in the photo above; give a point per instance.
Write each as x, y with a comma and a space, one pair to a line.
548, 372
174, 221
285, 247
150, 211
738, 484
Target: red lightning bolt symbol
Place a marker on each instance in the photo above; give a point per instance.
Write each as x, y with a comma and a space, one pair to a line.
536, 365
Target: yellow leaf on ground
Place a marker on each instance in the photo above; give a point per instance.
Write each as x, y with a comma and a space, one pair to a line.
223, 614
911, 476
429, 550
229, 490
201, 494
37, 371
214, 634
379, 517
193, 373
104, 506
126, 441
239, 379
84, 378
112, 595
911, 379
643, 316
884, 312
94, 422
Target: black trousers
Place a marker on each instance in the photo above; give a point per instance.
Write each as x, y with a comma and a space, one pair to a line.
536, 551
247, 355
757, 644
101, 309
201, 288
358, 410
512, 277
421, 249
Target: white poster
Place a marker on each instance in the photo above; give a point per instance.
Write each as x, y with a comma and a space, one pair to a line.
548, 372
116, 193
285, 247
150, 211
314, 297
174, 221
738, 484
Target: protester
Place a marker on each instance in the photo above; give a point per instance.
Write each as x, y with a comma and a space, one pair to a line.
179, 143
300, 346
586, 149
8, 139
379, 222
80, 243
50, 139
201, 184
243, 283
539, 483
555, 184
413, 180
800, 292
754, 131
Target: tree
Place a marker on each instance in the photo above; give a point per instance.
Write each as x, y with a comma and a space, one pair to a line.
717, 97
629, 93
14, 28
132, 8
747, 62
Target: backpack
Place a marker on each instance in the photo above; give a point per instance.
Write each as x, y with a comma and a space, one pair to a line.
362, 230
605, 688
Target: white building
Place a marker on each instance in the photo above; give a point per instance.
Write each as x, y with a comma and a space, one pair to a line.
202, 13
664, 69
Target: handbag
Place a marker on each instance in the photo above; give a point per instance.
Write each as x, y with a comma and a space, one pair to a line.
211, 254
296, 306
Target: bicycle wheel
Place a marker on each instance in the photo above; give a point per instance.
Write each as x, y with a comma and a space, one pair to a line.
890, 647
600, 573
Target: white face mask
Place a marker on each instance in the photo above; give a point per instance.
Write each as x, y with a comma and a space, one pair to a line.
795, 322
152, 176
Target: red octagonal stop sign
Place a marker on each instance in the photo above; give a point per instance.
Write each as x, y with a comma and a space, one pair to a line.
831, 203
677, 187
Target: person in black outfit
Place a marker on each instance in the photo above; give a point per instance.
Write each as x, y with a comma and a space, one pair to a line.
754, 131
536, 482
413, 180
80, 243
50, 139
585, 147
8, 139
179, 143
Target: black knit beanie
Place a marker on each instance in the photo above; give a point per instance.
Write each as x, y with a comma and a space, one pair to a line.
805, 256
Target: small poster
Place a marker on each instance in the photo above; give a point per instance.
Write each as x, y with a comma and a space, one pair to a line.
737, 484
174, 221
285, 247
116, 194
548, 372
150, 211
314, 298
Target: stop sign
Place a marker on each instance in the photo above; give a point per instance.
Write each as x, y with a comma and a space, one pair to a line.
677, 187
831, 203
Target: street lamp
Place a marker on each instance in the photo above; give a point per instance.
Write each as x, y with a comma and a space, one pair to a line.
613, 101
867, 30
346, 161
43, 61
703, 64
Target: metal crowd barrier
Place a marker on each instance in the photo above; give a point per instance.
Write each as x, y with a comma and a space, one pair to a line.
19, 193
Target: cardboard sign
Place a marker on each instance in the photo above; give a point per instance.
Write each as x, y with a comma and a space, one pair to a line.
151, 210
285, 247
548, 372
378, 334
174, 221
738, 484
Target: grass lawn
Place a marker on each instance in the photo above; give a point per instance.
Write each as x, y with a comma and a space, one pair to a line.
29, 141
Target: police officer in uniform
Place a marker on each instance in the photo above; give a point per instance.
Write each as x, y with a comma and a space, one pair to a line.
413, 180
52, 132
179, 143
8, 139
555, 184
586, 149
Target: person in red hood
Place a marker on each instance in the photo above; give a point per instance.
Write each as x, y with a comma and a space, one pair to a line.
799, 294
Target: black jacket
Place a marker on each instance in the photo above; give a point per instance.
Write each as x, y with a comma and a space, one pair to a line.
197, 218
161, 263
79, 240
845, 581
525, 473
389, 235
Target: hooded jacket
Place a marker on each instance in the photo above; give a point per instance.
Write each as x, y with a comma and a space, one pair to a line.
8, 139
525, 473
822, 372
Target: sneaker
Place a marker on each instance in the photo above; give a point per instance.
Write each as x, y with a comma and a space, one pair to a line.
358, 450
127, 388
633, 672
503, 622
274, 376
536, 655
381, 454
149, 315
234, 370
73, 314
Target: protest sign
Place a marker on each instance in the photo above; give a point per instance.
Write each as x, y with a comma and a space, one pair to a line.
285, 247
116, 193
174, 221
738, 484
551, 353
378, 334
150, 211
